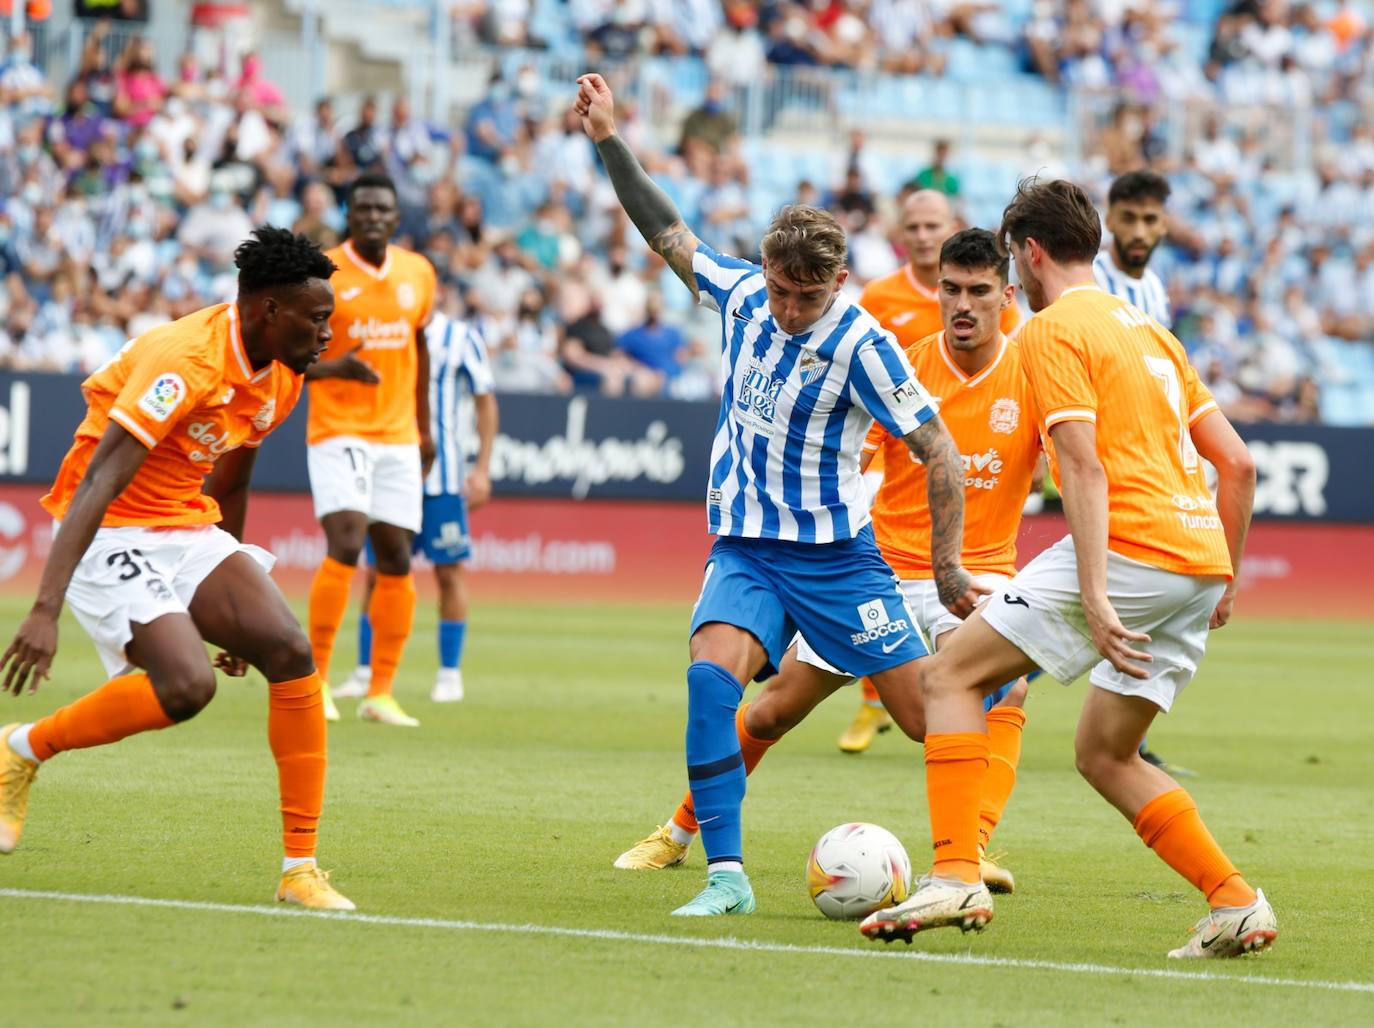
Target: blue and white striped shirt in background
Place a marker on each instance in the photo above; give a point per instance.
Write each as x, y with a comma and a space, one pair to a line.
1147, 292
794, 410
458, 368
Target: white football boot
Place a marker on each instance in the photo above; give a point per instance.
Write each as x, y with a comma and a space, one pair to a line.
355, 686
1232, 931
936, 903
448, 686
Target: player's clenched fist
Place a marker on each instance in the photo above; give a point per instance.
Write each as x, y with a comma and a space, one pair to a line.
595, 106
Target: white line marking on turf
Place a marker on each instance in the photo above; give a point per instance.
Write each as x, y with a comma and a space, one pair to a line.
612, 935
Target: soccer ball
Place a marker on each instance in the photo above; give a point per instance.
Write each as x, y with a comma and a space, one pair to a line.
856, 869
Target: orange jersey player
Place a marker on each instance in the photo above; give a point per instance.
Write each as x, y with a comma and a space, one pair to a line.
1128, 596
975, 372
154, 568
907, 304
369, 436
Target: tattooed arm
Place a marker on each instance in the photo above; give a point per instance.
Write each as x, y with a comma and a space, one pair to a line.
932, 445
648, 206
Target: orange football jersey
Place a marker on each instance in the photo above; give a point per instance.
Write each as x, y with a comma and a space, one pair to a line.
909, 310
1093, 357
381, 310
991, 419
187, 392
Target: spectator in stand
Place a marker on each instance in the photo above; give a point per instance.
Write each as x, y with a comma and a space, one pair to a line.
493, 123
139, 89
936, 175
23, 89
364, 143
736, 55
525, 356
319, 221
656, 347
257, 91
711, 125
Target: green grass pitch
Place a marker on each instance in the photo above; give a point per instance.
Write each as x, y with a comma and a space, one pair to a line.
507, 809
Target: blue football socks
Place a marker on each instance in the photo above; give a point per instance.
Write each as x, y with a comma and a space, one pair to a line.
715, 767
364, 641
451, 636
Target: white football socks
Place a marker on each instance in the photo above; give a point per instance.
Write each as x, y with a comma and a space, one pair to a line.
289, 864
19, 742
680, 835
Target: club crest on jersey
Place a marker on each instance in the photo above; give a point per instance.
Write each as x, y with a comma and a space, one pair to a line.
405, 296
757, 401
263, 419
812, 368
163, 396
1004, 415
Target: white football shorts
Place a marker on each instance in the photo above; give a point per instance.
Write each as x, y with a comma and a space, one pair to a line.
381, 480
930, 616
1040, 611
135, 575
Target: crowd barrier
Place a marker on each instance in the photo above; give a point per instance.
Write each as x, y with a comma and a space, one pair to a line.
600, 500
583, 447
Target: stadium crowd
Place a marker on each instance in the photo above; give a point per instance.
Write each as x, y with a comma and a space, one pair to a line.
123, 194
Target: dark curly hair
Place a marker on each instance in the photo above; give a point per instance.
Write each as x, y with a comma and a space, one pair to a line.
975, 249
370, 180
274, 256
1139, 185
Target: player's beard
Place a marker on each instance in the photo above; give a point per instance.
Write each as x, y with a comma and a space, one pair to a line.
1034, 290
1124, 260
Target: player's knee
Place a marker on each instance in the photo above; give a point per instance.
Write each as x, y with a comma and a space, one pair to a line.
767, 719
184, 692
1093, 764
289, 656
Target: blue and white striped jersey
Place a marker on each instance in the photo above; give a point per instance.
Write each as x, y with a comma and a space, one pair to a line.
1147, 292
458, 368
794, 410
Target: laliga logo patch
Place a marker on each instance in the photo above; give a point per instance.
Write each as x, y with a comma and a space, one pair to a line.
405, 296
1004, 416
163, 396
263, 419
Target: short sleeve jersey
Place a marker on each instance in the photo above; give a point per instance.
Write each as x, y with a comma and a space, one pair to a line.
380, 310
795, 409
1093, 357
992, 421
187, 392
910, 311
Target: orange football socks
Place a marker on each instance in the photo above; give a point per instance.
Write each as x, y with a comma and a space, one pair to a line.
296, 733
870, 692
1004, 740
122, 707
750, 748
391, 612
1171, 826
956, 764
328, 601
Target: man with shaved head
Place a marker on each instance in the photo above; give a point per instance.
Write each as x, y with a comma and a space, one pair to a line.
907, 304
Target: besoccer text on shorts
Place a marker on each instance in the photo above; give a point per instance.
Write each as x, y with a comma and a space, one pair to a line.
976, 371
807, 372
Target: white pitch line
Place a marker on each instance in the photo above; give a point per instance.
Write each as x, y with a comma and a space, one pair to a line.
611, 935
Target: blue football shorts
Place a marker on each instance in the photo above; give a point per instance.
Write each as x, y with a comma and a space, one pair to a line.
841, 596
443, 537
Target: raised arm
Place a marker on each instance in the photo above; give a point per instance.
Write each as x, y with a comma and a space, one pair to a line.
656, 217
933, 446
1218, 442
113, 465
